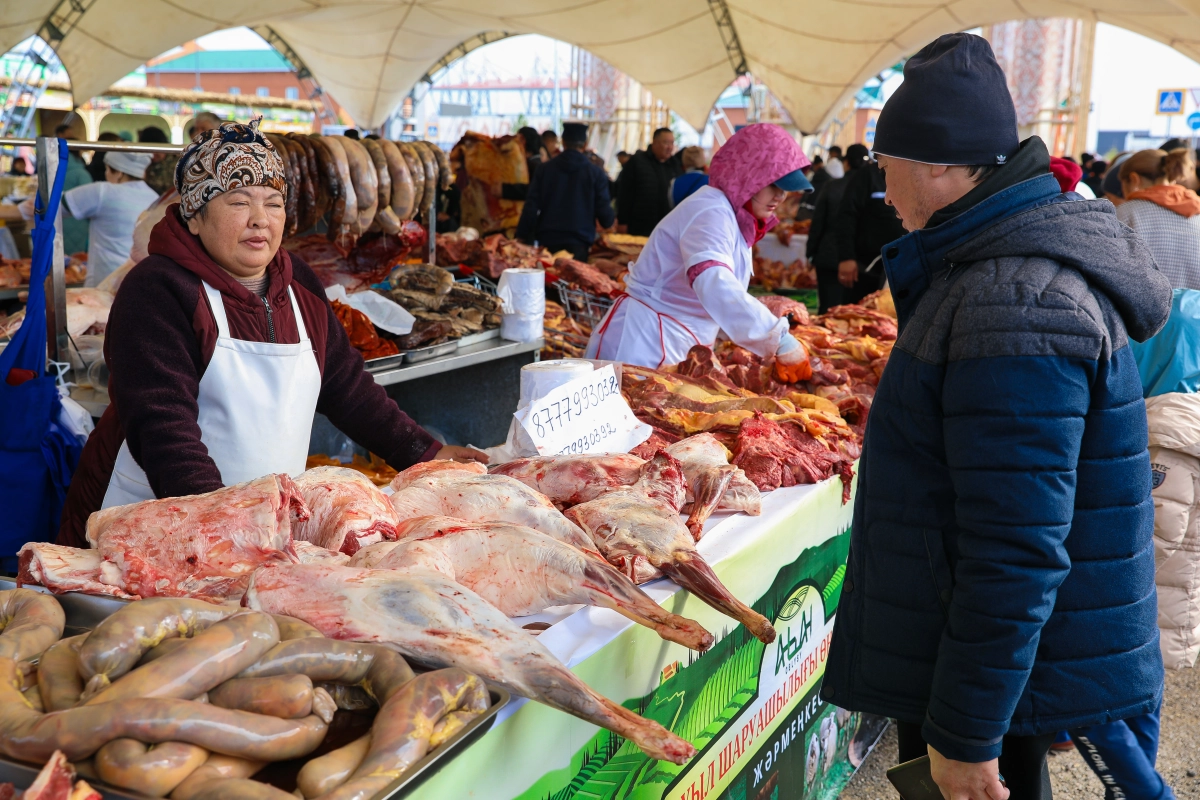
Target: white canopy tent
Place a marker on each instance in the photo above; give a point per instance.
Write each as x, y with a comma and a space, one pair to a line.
813, 54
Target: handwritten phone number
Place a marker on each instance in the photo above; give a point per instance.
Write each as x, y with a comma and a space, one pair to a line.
572, 407
584, 443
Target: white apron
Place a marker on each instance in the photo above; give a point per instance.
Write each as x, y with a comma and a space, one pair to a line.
256, 407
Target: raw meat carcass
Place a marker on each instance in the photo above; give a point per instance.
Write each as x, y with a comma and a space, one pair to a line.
521, 572
309, 553
635, 531
712, 481
435, 621
467, 492
347, 511
569, 480
203, 546
64, 569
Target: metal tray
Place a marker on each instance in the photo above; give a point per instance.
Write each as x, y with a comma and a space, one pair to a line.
387, 362
476, 338
84, 611
432, 351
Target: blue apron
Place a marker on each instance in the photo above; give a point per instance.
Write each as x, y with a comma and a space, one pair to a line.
37, 456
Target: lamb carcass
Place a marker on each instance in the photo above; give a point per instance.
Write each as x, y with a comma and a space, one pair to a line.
347, 511
633, 528
570, 480
467, 492
521, 572
203, 546
64, 569
438, 622
713, 482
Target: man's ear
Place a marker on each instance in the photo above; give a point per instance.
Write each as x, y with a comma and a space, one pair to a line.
937, 170
193, 224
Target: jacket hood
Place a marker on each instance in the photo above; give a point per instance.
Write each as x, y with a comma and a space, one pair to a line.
172, 239
754, 157
572, 161
1174, 422
1086, 236
1173, 197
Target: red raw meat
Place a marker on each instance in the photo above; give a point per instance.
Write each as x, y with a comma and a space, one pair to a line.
797, 313
205, 546
586, 277
774, 454
659, 440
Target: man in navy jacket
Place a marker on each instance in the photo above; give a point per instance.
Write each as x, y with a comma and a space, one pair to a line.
1000, 584
567, 196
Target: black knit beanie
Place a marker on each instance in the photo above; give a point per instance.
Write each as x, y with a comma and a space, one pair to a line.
954, 107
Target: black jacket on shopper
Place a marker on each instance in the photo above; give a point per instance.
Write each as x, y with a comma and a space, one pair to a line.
567, 196
644, 191
822, 248
865, 223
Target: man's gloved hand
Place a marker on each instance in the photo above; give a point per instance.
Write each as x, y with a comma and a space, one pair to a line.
791, 360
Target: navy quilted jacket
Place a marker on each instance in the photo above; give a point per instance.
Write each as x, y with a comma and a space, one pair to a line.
1001, 571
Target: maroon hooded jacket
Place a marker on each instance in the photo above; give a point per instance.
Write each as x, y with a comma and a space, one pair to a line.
160, 336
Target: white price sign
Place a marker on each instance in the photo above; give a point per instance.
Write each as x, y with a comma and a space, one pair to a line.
586, 415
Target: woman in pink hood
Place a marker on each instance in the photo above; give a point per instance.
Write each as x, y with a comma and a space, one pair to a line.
690, 281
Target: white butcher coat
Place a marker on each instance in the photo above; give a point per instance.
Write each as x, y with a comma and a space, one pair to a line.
664, 313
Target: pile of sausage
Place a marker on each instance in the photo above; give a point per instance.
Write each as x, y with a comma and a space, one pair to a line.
368, 184
189, 699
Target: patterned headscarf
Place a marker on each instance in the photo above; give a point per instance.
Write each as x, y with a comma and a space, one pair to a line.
229, 157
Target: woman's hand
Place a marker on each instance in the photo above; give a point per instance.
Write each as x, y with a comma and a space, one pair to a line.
848, 273
463, 455
960, 780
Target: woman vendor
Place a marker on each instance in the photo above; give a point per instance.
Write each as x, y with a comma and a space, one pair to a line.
690, 280
222, 346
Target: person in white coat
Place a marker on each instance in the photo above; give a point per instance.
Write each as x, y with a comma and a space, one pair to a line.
690, 281
113, 206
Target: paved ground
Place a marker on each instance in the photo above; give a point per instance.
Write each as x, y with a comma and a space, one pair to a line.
1178, 757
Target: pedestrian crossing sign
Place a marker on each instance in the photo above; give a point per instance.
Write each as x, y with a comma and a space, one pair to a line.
1170, 102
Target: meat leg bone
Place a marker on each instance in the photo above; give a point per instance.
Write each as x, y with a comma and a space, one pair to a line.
628, 527
433, 620
521, 571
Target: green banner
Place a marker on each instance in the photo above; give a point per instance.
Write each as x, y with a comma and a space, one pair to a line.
751, 710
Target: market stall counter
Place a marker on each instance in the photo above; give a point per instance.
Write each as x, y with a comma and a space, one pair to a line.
751, 709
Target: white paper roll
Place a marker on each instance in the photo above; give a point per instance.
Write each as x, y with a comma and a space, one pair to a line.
522, 327
541, 377
523, 291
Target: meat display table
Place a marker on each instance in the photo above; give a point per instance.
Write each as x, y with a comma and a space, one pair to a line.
750, 709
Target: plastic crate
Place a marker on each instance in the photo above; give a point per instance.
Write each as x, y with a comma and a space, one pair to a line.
583, 307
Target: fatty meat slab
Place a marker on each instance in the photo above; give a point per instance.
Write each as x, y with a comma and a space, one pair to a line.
347, 511
64, 569
435, 621
203, 546
467, 492
522, 572
633, 529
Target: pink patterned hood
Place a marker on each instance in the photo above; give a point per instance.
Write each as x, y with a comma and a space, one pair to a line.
754, 157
